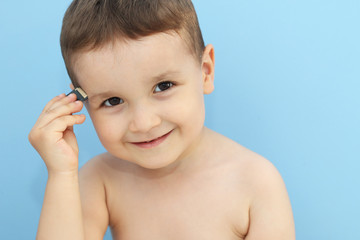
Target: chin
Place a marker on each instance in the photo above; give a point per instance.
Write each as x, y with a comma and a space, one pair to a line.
154, 165
164, 164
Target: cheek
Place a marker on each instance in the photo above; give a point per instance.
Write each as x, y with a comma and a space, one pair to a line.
108, 128
189, 110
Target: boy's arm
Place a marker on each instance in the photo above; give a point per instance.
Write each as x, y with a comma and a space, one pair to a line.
93, 199
270, 210
61, 213
61, 216
53, 137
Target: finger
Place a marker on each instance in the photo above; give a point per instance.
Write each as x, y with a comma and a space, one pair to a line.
65, 100
60, 125
70, 138
52, 101
54, 131
47, 107
62, 110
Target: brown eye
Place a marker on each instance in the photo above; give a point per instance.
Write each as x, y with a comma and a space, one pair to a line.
163, 86
113, 102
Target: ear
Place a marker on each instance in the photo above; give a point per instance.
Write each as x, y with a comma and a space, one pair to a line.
208, 68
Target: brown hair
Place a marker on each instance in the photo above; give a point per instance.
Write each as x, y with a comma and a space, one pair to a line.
90, 24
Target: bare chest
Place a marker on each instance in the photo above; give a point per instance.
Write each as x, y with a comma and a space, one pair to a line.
192, 210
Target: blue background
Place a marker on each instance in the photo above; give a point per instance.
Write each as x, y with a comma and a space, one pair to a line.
287, 87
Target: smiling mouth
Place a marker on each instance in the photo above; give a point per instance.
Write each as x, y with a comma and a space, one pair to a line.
152, 143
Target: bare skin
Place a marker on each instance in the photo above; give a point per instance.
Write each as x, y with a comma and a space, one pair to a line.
53, 137
220, 198
165, 175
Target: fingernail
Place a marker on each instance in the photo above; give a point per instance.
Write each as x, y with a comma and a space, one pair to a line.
70, 95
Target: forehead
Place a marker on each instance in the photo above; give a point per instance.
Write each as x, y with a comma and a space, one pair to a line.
133, 58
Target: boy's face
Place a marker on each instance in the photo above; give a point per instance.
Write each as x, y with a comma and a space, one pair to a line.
146, 97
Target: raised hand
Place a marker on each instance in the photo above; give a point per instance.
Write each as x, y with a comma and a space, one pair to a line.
53, 136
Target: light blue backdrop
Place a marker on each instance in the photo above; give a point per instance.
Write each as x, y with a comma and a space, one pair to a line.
287, 87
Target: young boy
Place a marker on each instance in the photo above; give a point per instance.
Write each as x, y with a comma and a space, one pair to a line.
144, 67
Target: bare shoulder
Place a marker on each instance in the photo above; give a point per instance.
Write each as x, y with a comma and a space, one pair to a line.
241, 158
256, 173
101, 168
254, 168
270, 213
91, 177
270, 209
96, 165
93, 193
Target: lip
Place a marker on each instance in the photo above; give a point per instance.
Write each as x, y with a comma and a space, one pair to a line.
153, 143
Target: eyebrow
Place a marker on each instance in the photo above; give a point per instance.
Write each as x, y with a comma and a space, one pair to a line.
164, 75
100, 95
161, 76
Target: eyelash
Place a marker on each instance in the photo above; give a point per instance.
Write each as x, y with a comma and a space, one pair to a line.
165, 82
107, 103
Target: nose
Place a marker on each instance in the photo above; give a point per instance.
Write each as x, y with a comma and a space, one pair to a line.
143, 119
